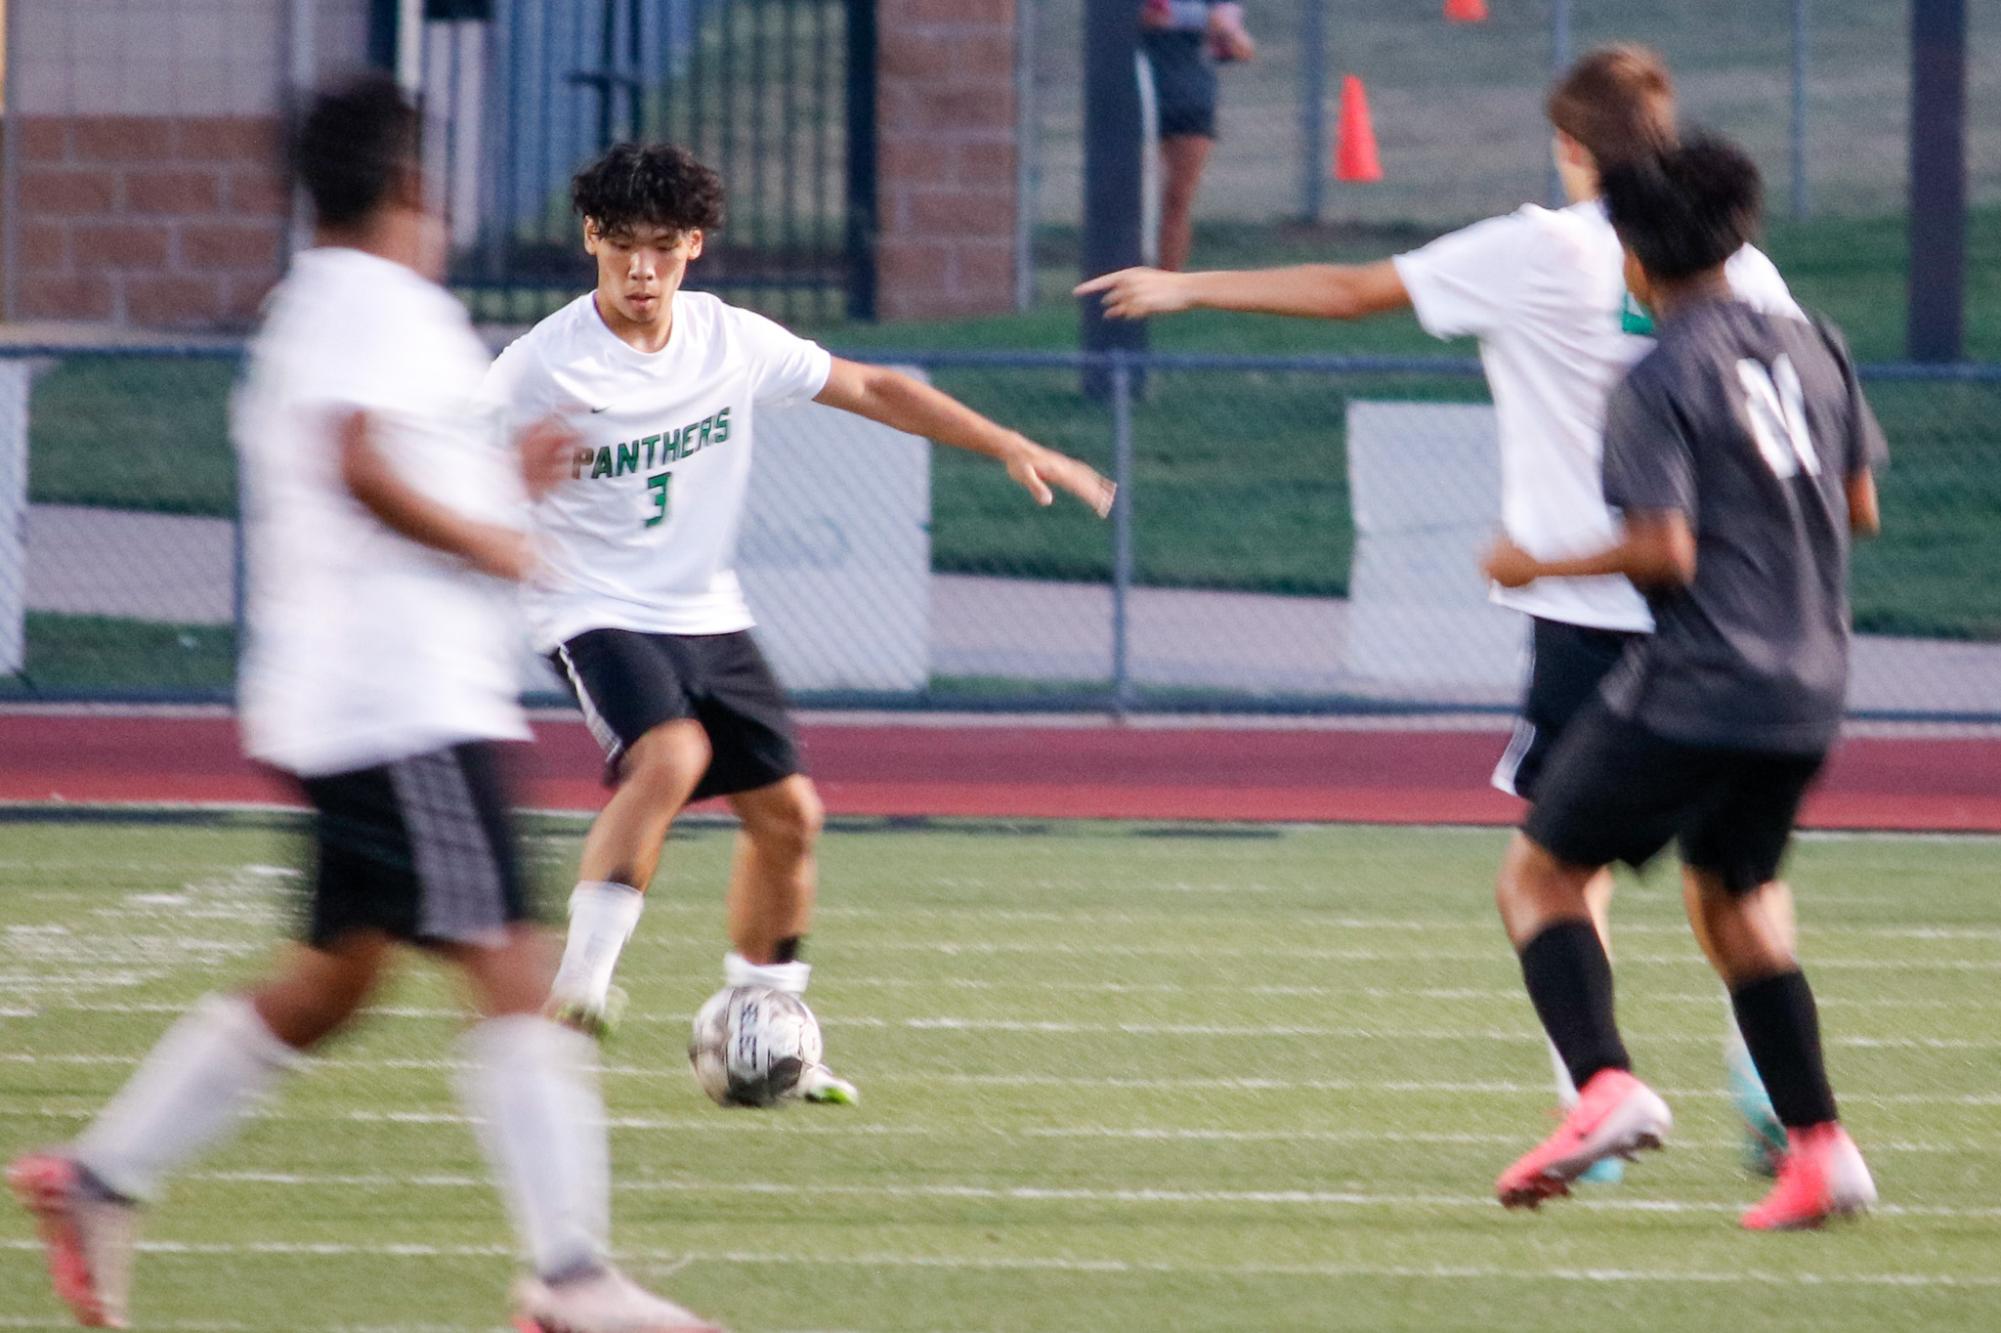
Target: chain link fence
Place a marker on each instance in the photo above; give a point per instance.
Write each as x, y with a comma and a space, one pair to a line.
1817, 90
1294, 534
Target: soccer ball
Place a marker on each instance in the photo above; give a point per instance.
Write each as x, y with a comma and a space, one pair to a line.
751, 1044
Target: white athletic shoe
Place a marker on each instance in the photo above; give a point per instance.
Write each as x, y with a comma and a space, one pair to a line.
820, 1084
606, 1301
87, 1239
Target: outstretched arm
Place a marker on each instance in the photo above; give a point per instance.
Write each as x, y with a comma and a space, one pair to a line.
897, 400
1309, 291
1655, 550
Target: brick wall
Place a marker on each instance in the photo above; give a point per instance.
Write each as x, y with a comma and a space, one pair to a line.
155, 221
945, 120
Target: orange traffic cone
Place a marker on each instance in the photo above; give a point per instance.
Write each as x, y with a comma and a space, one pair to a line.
1466, 11
1355, 144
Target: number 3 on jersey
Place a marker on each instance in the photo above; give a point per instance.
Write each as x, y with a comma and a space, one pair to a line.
1778, 417
658, 483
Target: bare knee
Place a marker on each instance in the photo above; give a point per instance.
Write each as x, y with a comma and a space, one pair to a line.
667, 762
788, 821
1535, 889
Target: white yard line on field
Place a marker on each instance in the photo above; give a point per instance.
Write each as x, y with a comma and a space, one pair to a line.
1286, 1198
1069, 1264
1237, 1031
801, 1127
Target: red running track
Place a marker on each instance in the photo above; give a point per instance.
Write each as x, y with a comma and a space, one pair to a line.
1038, 772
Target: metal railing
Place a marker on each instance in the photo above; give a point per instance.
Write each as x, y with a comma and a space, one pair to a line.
777, 95
1293, 534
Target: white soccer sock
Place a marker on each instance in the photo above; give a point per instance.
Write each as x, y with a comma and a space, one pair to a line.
192, 1089
602, 918
788, 977
541, 1120
1566, 1089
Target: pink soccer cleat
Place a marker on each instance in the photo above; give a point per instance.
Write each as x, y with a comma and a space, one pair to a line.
1822, 1175
1616, 1115
606, 1301
88, 1240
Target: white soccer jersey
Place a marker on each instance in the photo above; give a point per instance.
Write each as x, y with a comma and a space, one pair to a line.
364, 646
643, 534
1545, 293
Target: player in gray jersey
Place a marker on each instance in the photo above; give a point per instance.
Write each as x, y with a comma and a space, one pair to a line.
1739, 454
1544, 292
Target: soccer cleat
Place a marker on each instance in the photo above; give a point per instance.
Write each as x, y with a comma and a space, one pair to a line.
820, 1084
1609, 1171
596, 1021
606, 1301
1764, 1146
88, 1240
1822, 1176
1616, 1116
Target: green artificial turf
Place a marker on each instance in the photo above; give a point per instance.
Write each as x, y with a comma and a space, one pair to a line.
1112, 1077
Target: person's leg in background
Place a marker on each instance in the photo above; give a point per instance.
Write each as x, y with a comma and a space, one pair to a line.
1184, 157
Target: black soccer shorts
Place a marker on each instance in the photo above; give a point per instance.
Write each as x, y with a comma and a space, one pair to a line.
628, 683
420, 848
1184, 82
1567, 663
1615, 791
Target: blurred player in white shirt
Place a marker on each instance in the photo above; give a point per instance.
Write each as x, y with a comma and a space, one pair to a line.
384, 528
1544, 292
638, 604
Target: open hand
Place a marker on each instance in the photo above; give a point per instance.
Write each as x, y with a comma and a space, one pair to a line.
1036, 469
1509, 565
1228, 39
548, 448
1135, 293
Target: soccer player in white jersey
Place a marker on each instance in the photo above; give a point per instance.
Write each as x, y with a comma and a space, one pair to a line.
1544, 292
638, 603
384, 518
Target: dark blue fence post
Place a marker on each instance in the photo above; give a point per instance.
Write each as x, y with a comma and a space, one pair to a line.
1800, 199
1122, 531
861, 159
1559, 61
1937, 316
1312, 111
239, 579
1114, 158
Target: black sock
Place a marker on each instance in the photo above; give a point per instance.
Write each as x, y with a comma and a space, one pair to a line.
1570, 980
787, 949
1781, 1028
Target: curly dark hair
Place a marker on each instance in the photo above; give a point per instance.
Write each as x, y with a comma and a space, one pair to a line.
648, 184
1685, 211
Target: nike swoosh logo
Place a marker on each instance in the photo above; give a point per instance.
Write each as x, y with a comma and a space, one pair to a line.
605, 408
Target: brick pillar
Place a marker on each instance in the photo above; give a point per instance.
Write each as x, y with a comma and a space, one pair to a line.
153, 221
945, 121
